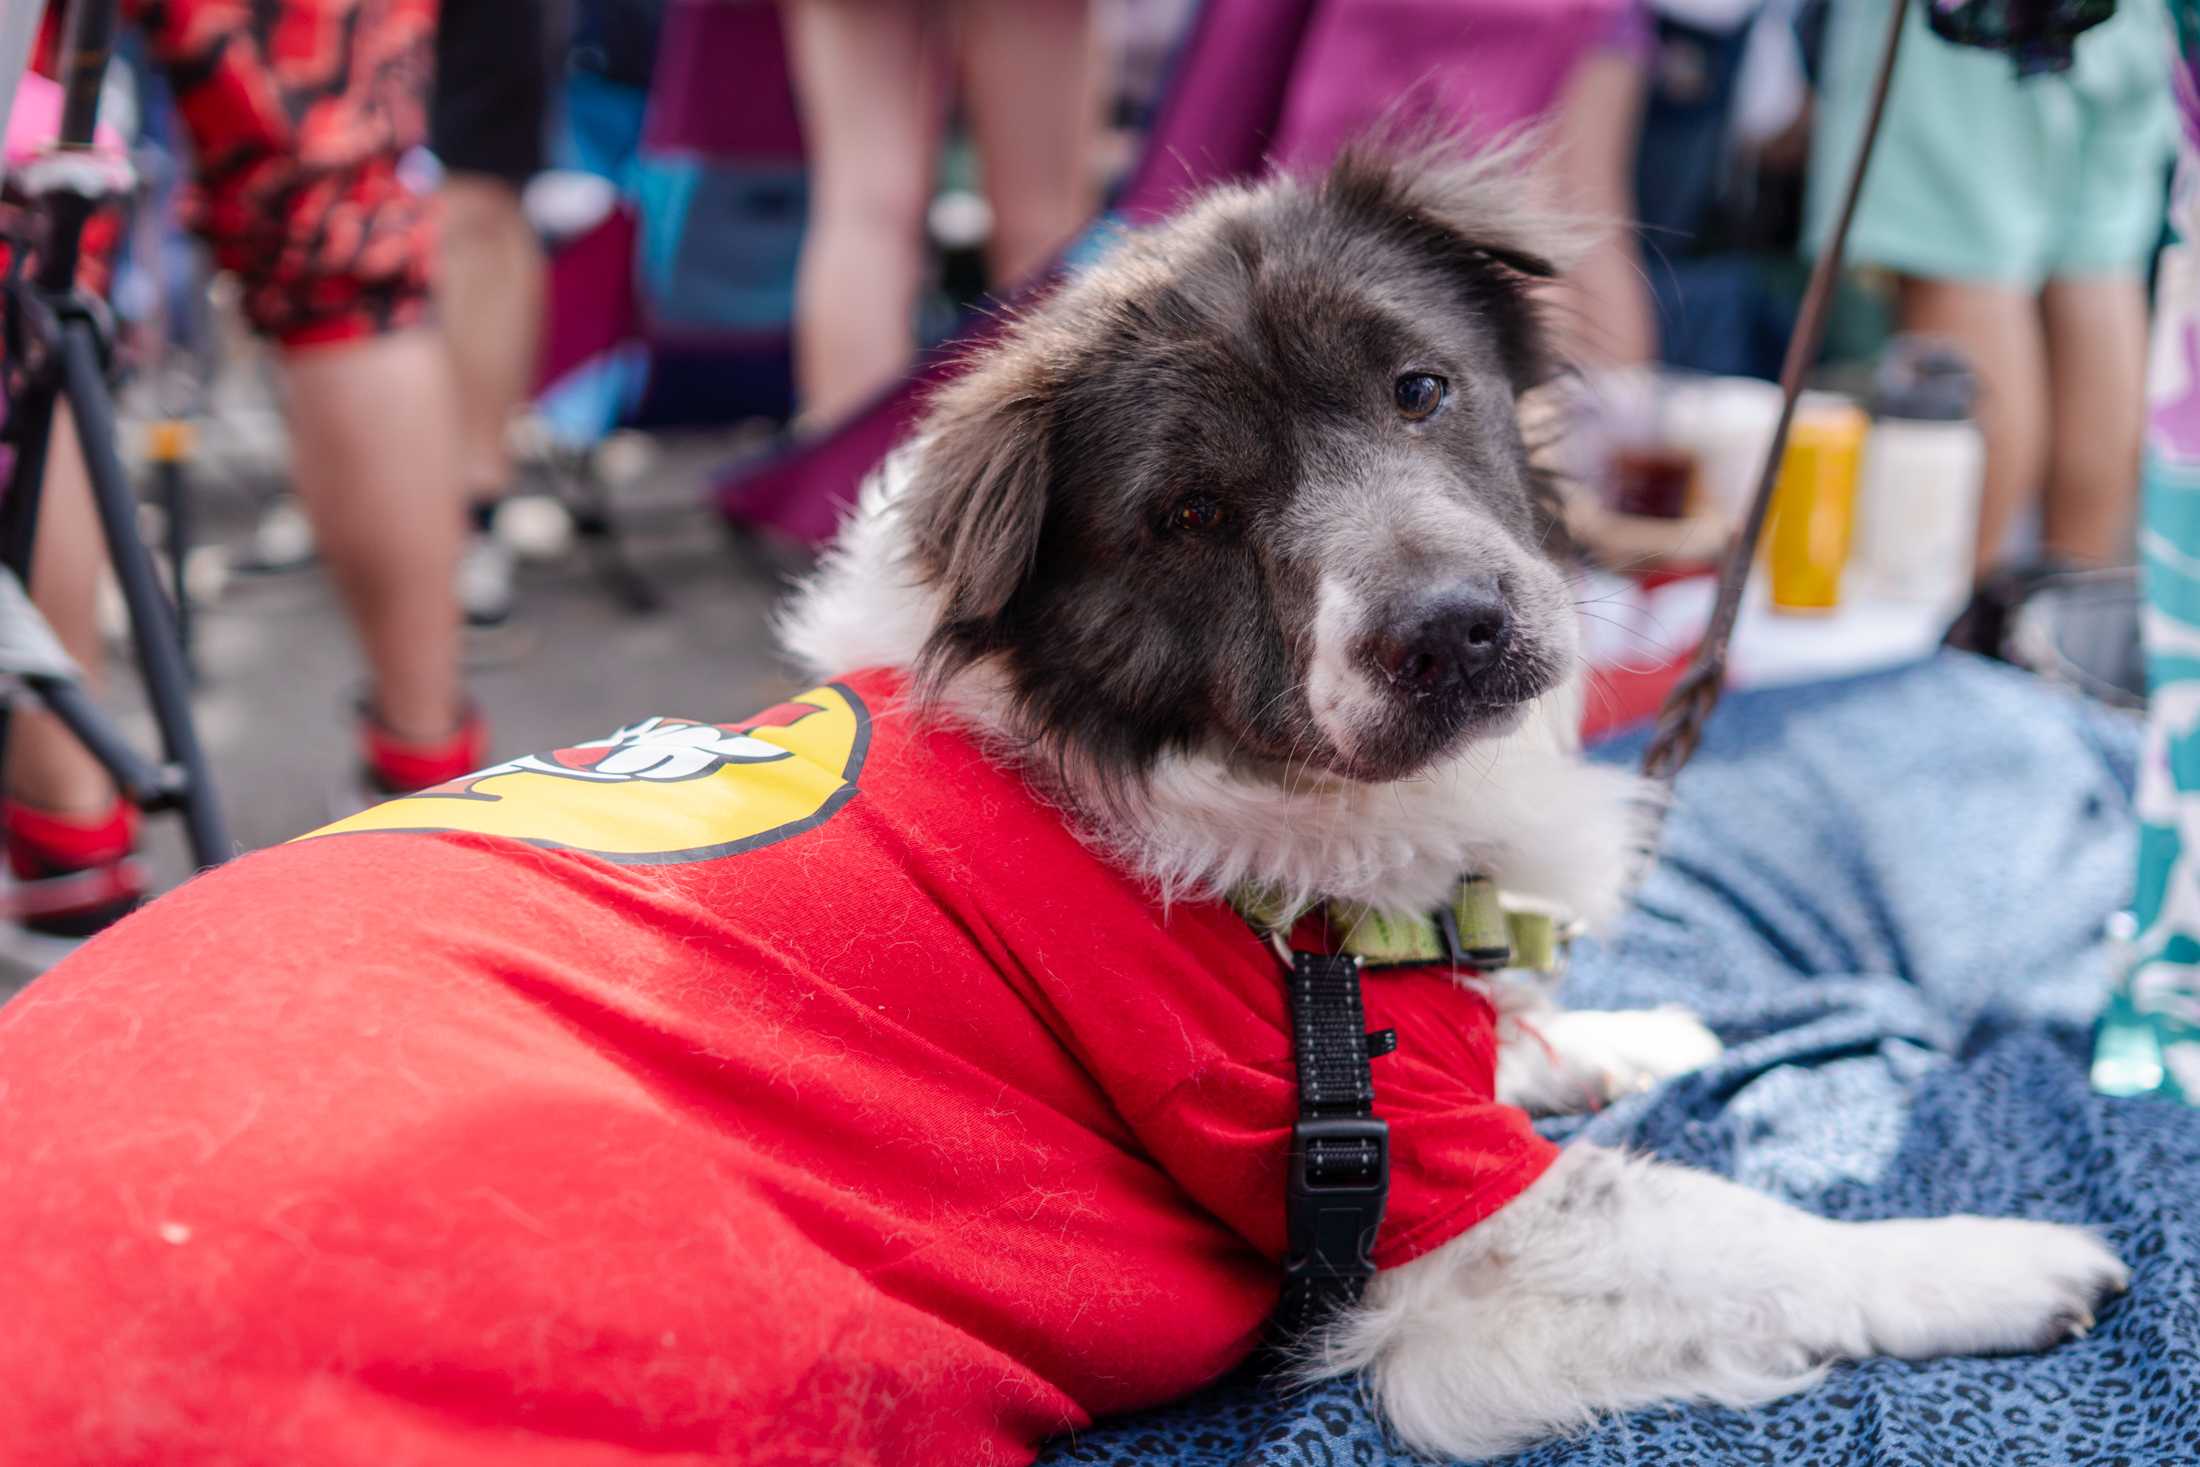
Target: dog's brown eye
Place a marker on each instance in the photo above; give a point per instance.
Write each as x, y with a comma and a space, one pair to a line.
1418, 394
1196, 512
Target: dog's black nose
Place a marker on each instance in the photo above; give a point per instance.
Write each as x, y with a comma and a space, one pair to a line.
1448, 639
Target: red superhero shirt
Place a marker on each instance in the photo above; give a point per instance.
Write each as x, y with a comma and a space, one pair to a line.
796, 1090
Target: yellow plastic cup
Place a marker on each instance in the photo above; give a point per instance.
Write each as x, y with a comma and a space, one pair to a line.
1814, 507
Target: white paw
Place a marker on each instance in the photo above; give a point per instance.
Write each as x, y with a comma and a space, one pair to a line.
1980, 1286
1618, 1053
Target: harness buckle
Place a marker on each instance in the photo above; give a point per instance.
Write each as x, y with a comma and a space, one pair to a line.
1339, 1186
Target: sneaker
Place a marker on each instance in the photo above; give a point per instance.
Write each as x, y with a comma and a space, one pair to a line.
535, 526
394, 766
485, 573
73, 874
282, 540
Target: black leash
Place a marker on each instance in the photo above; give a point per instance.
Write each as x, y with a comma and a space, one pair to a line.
1688, 706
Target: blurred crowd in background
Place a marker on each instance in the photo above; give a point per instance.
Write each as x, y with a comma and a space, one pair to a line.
485, 245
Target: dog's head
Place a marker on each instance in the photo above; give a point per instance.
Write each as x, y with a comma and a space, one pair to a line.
1258, 480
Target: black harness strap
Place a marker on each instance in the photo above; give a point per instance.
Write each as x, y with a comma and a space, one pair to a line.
1340, 1151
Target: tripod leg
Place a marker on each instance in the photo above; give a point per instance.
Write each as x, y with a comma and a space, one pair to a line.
142, 784
160, 660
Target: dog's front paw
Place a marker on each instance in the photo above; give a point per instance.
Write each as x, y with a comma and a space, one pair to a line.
1982, 1286
1636, 1050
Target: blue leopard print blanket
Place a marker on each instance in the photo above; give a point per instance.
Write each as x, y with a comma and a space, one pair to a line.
1887, 895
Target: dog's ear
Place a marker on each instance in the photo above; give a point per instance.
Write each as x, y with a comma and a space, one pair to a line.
1491, 201
1483, 213
976, 506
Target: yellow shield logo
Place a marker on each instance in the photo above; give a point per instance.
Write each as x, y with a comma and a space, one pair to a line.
664, 789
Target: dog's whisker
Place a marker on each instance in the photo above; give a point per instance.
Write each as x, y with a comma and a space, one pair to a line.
1649, 636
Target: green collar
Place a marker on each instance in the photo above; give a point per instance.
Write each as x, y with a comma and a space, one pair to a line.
1494, 930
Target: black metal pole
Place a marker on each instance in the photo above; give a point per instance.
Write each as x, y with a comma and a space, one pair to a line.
142, 784
160, 660
89, 41
85, 47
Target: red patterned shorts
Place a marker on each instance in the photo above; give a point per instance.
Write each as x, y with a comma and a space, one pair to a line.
298, 113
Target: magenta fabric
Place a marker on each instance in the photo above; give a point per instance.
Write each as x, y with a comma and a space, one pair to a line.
1478, 67
721, 86
34, 120
801, 491
592, 284
1228, 89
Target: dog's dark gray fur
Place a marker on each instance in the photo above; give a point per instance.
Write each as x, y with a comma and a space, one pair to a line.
1244, 359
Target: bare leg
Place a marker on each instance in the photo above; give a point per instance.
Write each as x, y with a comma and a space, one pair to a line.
491, 297
373, 427
2096, 357
1604, 315
867, 77
47, 767
1998, 328
1027, 73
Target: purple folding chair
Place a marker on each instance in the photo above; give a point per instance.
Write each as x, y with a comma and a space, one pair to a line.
1215, 123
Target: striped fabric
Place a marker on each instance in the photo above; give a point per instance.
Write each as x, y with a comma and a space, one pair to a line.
2149, 1041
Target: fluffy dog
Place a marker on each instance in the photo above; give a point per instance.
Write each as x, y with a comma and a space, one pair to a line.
883, 1078
1234, 546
